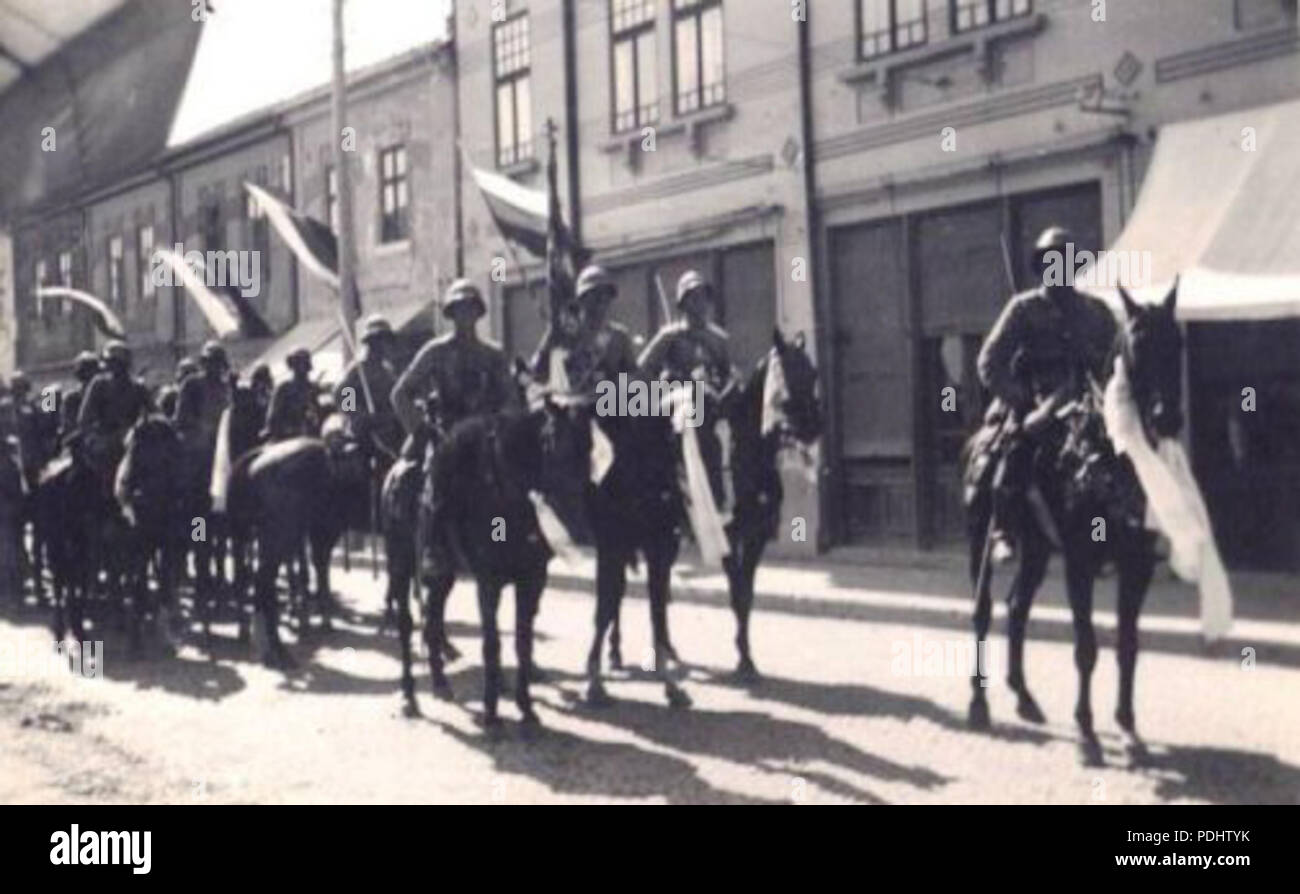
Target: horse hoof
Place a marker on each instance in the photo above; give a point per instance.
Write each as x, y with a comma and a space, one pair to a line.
450, 652
977, 716
490, 724
411, 709
1126, 720
1090, 752
442, 690
597, 696
677, 697
529, 719
615, 660
747, 673
1027, 709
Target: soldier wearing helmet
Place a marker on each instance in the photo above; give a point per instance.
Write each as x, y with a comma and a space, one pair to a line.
84, 368
471, 377
294, 411
695, 349
261, 384
1039, 356
202, 398
602, 348
113, 403
364, 394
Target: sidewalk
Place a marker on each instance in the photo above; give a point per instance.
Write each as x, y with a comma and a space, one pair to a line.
1266, 606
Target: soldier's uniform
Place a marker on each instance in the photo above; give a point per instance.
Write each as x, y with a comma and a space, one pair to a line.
27, 424
699, 352
599, 353
371, 375
202, 399
84, 369
294, 411
113, 403
470, 378
1044, 342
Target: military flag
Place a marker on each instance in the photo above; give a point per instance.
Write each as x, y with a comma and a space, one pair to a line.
106, 321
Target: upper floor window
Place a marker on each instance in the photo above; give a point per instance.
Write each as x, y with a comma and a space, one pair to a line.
332, 199
511, 68
144, 257
699, 76
115, 262
394, 201
1253, 14
968, 14
886, 26
636, 73
261, 232
65, 279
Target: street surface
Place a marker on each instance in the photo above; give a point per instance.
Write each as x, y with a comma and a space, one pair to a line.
844, 713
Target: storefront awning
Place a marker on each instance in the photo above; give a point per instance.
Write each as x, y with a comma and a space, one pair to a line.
321, 336
1219, 210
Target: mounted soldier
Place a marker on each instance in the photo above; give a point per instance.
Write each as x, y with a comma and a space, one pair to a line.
84, 368
114, 402
364, 394
1049, 346
202, 399
468, 377
262, 385
696, 350
603, 348
293, 411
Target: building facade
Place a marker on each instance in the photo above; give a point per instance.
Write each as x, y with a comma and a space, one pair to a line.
102, 238
871, 172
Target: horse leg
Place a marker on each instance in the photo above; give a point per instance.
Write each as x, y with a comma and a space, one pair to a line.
267, 618
1035, 553
399, 595
981, 572
611, 579
321, 548
528, 595
435, 631
741, 567
1135, 571
1079, 584
489, 597
658, 568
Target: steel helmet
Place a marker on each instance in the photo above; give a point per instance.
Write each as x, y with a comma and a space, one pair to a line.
692, 281
298, 357
593, 280
462, 290
214, 352
375, 326
1052, 239
86, 364
116, 350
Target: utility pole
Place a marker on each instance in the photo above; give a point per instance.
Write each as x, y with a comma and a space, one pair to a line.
350, 300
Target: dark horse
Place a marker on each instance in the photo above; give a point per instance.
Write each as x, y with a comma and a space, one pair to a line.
776, 406
1083, 483
486, 471
148, 487
283, 495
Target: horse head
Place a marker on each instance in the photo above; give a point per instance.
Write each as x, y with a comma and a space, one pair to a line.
147, 473
1153, 353
796, 400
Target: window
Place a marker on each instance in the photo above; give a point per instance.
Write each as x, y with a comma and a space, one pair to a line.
1254, 14
40, 276
332, 199
65, 279
635, 70
144, 258
886, 26
394, 201
261, 233
115, 271
968, 14
511, 66
698, 73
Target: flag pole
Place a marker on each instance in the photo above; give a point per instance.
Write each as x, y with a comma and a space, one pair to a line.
348, 297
